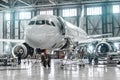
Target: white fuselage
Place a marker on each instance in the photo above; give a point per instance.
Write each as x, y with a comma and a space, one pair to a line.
40, 34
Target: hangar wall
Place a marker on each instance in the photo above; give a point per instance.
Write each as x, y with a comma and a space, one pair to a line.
107, 22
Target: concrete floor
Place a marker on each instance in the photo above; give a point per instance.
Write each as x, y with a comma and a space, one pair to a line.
35, 71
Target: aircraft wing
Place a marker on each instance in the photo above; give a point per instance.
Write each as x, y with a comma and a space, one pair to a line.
12, 40
89, 40
99, 35
113, 38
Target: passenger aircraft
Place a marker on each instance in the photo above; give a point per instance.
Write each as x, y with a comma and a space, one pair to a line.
50, 32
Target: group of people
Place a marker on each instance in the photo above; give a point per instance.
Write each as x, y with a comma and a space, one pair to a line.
45, 58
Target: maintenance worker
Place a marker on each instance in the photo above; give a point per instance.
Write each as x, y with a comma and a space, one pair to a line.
45, 58
19, 58
28, 58
90, 57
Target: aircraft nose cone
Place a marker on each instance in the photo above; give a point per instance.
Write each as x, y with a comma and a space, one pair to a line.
41, 36
33, 40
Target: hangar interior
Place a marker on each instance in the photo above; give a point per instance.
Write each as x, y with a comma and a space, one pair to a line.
94, 16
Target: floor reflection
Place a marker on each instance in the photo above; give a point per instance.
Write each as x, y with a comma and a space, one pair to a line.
35, 71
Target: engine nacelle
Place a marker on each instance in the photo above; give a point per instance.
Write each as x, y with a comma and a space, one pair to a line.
22, 50
103, 48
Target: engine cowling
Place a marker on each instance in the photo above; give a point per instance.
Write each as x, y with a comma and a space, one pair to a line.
22, 50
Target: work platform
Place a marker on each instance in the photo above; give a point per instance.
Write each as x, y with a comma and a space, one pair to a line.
35, 71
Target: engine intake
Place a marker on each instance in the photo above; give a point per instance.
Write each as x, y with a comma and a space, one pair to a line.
22, 50
103, 48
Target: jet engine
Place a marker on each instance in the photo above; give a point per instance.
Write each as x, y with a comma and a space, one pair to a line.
22, 50
103, 48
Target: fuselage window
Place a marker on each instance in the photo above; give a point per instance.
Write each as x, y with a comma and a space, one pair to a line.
40, 22
32, 23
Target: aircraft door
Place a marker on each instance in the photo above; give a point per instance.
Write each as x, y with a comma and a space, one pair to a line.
62, 25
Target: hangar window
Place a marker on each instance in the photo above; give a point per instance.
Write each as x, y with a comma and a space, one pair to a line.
25, 15
116, 9
47, 12
7, 16
69, 12
94, 11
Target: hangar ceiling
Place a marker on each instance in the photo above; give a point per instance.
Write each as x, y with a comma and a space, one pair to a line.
6, 4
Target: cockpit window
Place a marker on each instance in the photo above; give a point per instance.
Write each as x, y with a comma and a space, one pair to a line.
53, 23
50, 23
40, 22
32, 23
